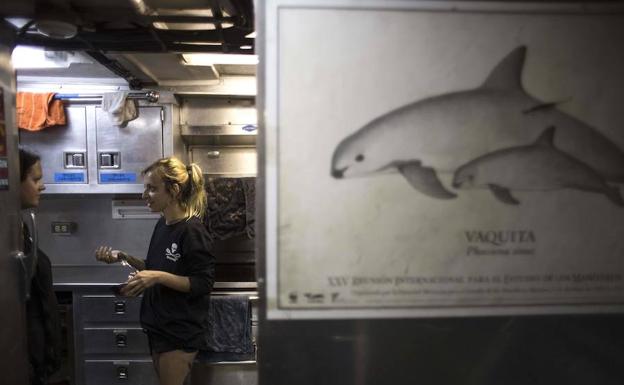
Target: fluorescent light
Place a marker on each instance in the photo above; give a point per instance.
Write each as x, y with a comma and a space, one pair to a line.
208, 59
251, 35
198, 43
24, 57
246, 47
184, 12
184, 26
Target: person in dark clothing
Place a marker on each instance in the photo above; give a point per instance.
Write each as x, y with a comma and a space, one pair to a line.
178, 274
43, 324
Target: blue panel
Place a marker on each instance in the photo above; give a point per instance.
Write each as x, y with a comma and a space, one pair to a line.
69, 177
118, 177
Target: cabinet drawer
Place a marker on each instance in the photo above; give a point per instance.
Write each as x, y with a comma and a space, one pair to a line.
115, 341
102, 308
225, 161
109, 372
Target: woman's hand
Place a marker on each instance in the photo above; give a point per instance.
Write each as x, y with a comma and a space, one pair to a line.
107, 254
140, 281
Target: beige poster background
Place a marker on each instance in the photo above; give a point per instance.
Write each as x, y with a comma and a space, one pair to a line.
374, 242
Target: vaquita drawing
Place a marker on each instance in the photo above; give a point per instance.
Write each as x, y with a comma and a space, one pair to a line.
496, 136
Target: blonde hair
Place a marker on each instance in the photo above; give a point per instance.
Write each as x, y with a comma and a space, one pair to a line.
192, 196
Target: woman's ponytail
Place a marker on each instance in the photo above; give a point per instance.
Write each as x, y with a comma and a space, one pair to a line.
190, 182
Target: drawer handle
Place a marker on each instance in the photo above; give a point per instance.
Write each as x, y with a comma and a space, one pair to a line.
122, 372
121, 340
213, 154
120, 307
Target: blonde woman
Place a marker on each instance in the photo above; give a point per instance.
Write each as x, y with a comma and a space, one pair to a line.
178, 274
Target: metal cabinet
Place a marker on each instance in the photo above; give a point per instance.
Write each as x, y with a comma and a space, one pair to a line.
90, 154
221, 135
63, 149
110, 345
109, 372
225, 161
123, 152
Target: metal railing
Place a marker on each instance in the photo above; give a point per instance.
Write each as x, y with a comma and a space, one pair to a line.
151, 96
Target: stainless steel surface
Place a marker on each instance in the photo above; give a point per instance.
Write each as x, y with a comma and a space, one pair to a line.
109, 160
75, 160
132, 209
34, 237
218, 121
151, 96
235, 285
24, 274
139, 143
28, 262
115, 340
52, 143
109, 338
14, 365
89, 132
109, 372
218, 111
223, 135
225, 161
95, 226
105, 308
228, 373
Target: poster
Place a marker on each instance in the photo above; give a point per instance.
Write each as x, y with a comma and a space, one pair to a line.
432, 162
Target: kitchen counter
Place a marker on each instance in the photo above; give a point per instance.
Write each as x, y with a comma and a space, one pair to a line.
68, 277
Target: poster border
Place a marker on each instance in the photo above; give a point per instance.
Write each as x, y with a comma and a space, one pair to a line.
269, 96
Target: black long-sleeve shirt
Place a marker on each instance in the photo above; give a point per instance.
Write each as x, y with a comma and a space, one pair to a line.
182, 248
43, 322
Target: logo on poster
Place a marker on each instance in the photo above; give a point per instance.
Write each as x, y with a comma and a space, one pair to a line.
315, 297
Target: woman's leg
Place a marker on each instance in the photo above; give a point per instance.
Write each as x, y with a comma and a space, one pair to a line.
173, 366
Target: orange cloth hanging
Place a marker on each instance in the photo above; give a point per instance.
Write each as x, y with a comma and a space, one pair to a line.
36, 111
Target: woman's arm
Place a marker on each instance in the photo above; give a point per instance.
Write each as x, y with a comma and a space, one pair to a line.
108, 255
135, 262
148, 278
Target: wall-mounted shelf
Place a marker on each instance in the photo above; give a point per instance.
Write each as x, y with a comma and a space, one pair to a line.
220, 135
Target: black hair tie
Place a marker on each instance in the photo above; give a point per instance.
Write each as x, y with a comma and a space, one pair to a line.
189, 184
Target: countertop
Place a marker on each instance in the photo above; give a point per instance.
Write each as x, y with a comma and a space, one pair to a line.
105, 275
68, 277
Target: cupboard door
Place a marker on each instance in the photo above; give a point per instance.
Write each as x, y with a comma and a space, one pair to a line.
124, 151
226, 161
63, 149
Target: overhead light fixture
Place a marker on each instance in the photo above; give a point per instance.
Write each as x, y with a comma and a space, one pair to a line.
208, 59
251, 35
184, 26
57, 29
246, 47
205, 43
184, 12
24, 57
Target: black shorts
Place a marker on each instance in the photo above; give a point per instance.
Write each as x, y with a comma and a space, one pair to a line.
159, 344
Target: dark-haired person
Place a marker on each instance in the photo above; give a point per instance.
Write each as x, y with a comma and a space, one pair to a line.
43, 325
177, 276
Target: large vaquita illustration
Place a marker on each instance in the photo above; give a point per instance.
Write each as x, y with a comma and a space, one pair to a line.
496, 136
